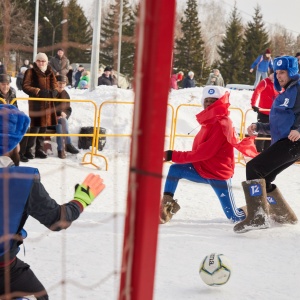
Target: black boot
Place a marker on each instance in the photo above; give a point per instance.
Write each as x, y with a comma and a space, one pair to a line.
71, 149
23, 158
40, 154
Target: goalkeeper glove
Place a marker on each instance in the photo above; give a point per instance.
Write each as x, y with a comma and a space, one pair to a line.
86, 192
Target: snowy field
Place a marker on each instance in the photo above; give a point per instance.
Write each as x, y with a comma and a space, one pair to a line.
83, 262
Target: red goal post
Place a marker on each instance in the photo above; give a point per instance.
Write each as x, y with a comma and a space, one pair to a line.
152, 84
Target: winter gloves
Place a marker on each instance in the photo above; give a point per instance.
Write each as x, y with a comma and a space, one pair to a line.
168, 155
255, 109
86, 192
48, 93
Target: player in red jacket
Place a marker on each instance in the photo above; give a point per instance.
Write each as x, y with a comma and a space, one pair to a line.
266, 93
211, 160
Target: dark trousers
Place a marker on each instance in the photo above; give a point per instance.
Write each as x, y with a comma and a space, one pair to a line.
272, 161
28, 142
23, 281
262, 144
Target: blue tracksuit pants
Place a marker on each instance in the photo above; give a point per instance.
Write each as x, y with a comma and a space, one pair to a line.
222, 188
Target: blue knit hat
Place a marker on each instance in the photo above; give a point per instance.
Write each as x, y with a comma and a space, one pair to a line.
288, 63
13, 125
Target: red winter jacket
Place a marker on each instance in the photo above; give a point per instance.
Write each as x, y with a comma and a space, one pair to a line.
265, 89
212, 153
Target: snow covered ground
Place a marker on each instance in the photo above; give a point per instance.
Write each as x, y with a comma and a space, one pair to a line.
83, 262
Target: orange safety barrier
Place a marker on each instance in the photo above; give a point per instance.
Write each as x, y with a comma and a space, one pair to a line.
94, 149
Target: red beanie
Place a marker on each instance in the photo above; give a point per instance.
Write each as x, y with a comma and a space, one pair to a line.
268, 51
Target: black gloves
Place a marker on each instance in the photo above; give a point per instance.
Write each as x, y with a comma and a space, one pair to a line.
45, 94
255, 108
168, 155
54, 93
48, 93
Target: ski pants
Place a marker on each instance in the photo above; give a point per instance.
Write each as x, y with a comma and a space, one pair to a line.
272, 161
222, 188
23, 281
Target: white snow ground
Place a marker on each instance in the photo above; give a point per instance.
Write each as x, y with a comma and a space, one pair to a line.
83, 262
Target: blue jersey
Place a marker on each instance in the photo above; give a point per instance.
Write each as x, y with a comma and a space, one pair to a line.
284, 114
15, 186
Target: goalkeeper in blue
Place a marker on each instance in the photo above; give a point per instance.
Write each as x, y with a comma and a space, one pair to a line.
22, 195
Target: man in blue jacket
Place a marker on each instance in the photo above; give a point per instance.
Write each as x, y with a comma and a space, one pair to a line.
263, 198
263, 64
22, 195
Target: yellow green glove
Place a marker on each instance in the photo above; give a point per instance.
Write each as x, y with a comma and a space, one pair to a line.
86, 192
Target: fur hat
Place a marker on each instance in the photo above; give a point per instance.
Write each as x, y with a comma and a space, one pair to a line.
107, 69
13, 125
212, 91
288, 63
5, 78
61, 78
41, 56
268, 51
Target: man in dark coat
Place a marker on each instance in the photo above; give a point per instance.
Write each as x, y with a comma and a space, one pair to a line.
26, 196
59, 63
106, 78
39, 82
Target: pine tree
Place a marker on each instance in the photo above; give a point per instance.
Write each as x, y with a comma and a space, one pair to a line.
107, 36
78, 27
256, 41
231, 57
128, 40
80, 33
110, 37
189, 50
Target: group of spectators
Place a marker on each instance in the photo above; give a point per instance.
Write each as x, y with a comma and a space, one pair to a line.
214, 78
43, 81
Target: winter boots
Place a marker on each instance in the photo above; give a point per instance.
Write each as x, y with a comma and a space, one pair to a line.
168, 208
279, 209
257, 206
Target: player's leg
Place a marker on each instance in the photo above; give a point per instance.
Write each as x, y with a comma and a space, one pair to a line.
223, 189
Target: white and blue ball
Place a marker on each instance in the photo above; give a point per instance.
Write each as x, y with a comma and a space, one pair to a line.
215, 269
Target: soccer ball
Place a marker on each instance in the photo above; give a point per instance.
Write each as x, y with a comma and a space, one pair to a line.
215, 269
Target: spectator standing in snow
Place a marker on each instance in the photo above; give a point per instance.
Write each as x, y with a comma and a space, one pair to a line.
20, 75
78, 75
26, 197
211, 160
263, 64
7, 92
266, 93
174, 80
70, 75
263, 198
59, 63
215, 78
106, 77
39, 82
189, 81
84, 82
